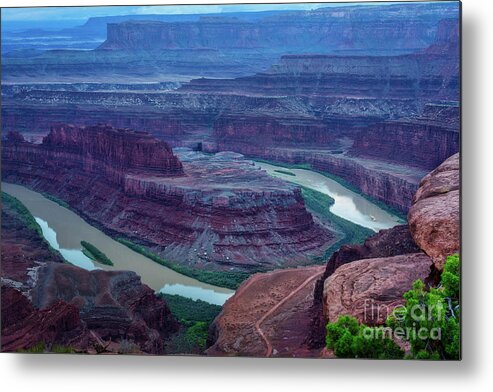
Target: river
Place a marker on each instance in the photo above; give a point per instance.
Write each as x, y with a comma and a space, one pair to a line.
64, 230
347, 204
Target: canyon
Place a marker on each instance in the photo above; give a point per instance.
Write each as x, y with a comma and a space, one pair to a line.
46, 301
232, 44
215, 212
209, 145
369, 118
284, 312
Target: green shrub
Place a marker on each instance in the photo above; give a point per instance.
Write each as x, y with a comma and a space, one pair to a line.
22, 212
56, 200
429, 320
436, 311
62, 349
189, 311
94, 253
197, 334
195, 316
38, 348
348, 339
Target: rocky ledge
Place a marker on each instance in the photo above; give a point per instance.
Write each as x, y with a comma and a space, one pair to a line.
217, 212
255, 321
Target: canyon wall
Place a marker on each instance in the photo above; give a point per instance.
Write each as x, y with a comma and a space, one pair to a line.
407, 27
234, 44
430, 76
381, 118
414, 143
389, 183
218, 212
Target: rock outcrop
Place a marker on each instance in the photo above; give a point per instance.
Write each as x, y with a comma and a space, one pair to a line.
221, 45
391, 183
113, 304
217, 212
265, 304
414, 143
49, 302
407, 27
371, 289
434, 218
386, 243
24, 326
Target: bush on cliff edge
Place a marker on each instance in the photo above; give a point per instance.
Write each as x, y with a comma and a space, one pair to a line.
436, 311
348, 339
429, 321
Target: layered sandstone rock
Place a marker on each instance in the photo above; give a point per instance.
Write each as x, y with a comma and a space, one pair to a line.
371, 289
24, 326
421, 143
283, 131
434, 218
224, 45
391, 183
386, 243
220, 212
114, 304
409, 76
407, 27
373, 108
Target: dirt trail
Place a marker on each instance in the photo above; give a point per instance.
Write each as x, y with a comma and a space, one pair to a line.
277, 306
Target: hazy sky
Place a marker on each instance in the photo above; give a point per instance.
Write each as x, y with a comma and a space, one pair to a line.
83, 13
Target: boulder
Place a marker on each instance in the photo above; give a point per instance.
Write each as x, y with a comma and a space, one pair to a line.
434, 218
370, 289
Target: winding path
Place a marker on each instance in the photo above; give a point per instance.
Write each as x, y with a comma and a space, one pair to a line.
277, 306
